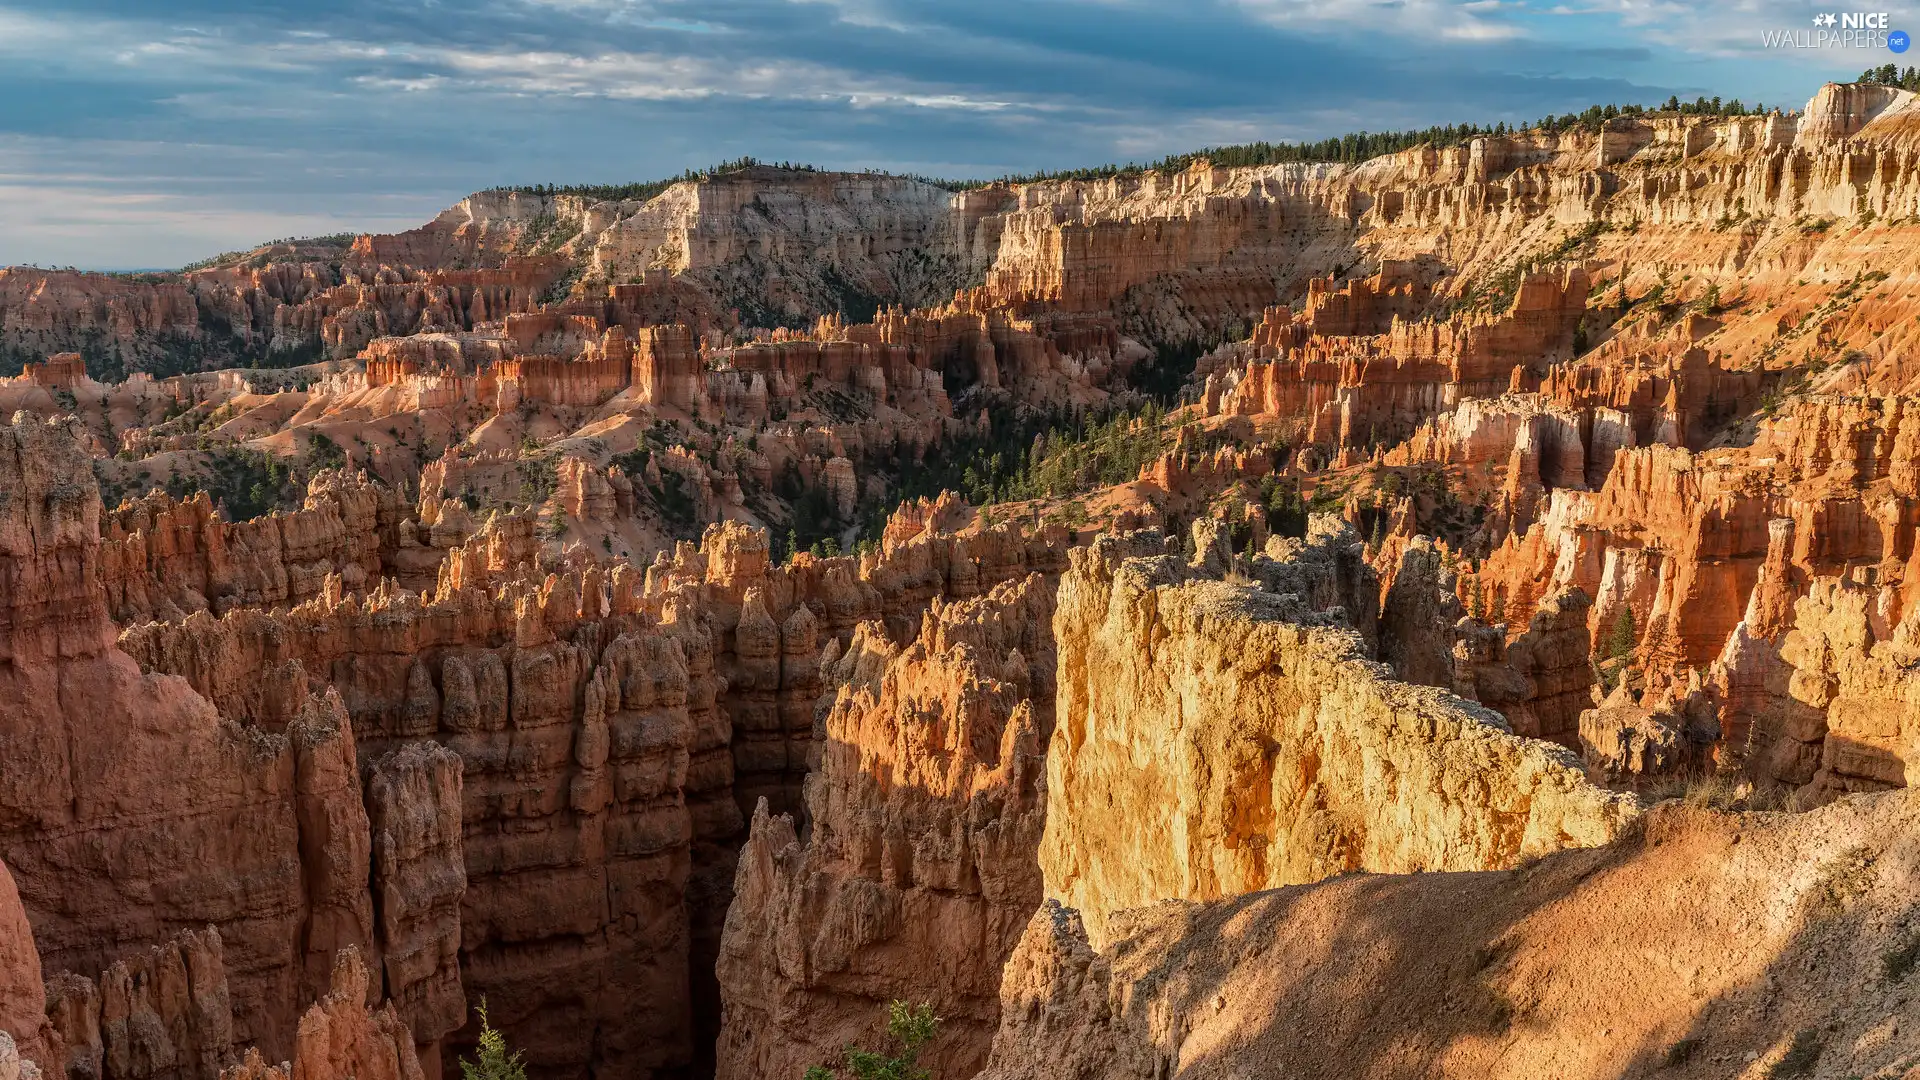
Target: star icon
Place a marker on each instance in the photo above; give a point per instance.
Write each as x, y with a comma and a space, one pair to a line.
1828, 19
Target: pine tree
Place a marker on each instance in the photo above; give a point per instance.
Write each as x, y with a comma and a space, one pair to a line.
494, 1062
1620, 640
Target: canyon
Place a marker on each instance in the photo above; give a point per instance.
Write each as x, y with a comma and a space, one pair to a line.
1341, 618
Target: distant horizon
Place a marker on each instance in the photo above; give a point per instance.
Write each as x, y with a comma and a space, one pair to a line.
140, 139
759, 162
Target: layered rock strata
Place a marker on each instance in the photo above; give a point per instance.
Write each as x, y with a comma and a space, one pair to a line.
918, 872
1249, 728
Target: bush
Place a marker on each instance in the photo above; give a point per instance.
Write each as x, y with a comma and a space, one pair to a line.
324, 453
909, 1029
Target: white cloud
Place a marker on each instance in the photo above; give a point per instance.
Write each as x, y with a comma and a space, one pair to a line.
1466, 20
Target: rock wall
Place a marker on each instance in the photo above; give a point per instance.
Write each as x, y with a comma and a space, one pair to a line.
1839, 708
165, 559
611, 728
282, 301
918, 872
1247, 731
166, 1014
530, 809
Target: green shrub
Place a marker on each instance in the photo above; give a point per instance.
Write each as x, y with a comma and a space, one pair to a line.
909, 1029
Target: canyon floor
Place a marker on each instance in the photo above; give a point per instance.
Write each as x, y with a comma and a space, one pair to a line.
1453, 614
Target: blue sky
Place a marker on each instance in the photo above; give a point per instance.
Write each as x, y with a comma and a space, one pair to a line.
146, 133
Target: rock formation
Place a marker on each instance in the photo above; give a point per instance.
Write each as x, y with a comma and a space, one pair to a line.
164, 1013
918, 874
23, 997
340, 1037
1248, 727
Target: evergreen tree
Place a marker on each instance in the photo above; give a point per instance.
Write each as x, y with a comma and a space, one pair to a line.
1620, 640
493, 1062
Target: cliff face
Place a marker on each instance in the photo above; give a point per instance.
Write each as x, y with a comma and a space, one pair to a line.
43, 312
522, 786
1248, 727
312, 307
23, 998
918, 874
770, 245
119, 784
133, 811
1752, 939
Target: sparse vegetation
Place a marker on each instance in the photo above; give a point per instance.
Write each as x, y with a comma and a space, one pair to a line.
909, 1029
674, 501
1497, 293
1891, 75
324, 453
1350, 148
539, 477
258, 258
247, 483
1842, 880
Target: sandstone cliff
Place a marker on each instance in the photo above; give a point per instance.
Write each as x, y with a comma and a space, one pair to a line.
1246, 726
918, 874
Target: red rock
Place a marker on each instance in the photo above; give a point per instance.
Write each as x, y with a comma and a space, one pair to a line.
926, 809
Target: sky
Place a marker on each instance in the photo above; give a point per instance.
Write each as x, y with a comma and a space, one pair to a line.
149, 133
